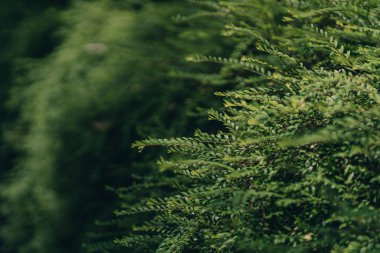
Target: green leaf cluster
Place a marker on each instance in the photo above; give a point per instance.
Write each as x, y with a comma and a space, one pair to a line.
296, 166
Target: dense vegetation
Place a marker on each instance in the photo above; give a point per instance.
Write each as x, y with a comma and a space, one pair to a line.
26, 34
83, 103
289, 163
296, 168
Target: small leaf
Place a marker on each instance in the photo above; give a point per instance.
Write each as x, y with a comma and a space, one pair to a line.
349, 179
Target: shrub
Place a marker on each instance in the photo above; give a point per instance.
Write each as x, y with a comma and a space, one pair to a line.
296, 167
105, 85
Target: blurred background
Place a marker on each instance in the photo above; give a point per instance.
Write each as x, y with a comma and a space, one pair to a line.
79, 82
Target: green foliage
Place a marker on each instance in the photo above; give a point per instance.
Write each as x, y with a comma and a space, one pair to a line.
81, 107
25, 34
296, 168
